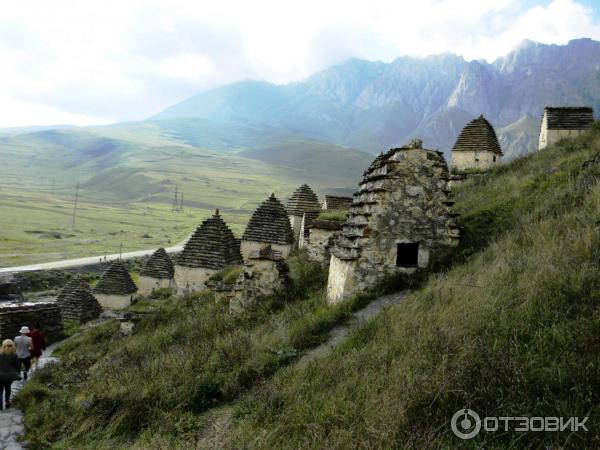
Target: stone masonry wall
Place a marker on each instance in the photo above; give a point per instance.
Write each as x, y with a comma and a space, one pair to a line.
259, 278
15, 315
318, 244
474, 160
190, 279
551, 137
148, 284
250, 246
114, 301
403, 199
296, 223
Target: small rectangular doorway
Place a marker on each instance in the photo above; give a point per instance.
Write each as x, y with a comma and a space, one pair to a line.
407, 254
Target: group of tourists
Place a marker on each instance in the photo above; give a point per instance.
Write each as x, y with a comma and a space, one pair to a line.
16, 358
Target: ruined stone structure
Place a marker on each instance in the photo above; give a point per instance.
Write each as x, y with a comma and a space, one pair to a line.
211, 248
477, 147
336, 202
269, 225
302, 200
307, 220
265, 273
562, 122
320, 239
400, 221
115, 289
157, 273
14, 315
77, 302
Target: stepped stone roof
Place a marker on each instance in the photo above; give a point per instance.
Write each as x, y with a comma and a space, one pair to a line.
77, 302
269, 223
212, 246
303, 199
336, 202
478, 136
569, 117
158, 266
309, 218
115, 281
394, 167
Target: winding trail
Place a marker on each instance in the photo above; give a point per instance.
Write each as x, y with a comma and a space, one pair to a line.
358, 318
11, 420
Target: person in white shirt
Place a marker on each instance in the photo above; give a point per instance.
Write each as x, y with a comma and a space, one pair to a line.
24, 345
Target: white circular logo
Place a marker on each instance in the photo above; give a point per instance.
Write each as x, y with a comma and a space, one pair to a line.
466, 423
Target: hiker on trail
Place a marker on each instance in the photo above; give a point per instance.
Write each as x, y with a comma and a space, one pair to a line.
9, 370
38, 343
24, 345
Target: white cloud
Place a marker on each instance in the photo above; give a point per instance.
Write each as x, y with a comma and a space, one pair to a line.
72, 62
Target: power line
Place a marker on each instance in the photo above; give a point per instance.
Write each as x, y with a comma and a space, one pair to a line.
177, 204
174, 205
75, 206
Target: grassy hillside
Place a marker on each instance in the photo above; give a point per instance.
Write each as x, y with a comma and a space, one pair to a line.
127, 174
511, 329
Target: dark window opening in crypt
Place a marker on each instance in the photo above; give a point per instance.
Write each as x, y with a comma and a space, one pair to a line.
407, 254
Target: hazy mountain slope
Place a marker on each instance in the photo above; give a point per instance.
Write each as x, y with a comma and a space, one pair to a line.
374, 105
144, 161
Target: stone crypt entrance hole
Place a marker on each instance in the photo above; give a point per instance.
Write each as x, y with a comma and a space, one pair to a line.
407, 254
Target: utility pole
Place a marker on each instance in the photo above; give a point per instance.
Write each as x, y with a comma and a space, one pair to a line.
121, 251
175, 201
75, 206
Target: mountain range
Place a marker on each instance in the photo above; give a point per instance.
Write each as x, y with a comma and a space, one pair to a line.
322, 130
373, 106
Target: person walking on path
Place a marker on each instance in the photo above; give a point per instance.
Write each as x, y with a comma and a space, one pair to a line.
9, 370
38, 344
23, 344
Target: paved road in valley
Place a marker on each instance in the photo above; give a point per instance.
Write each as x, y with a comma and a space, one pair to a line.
80, 262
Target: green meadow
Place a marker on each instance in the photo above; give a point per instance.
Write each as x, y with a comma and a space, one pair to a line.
127, 176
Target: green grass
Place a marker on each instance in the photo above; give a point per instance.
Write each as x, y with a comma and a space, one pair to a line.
228, 275
127, 174
337, 215
510, 329
188, 356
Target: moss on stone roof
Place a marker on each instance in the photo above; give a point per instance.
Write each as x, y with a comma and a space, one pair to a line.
337, 202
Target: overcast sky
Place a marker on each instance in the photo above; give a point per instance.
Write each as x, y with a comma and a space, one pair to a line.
78, 62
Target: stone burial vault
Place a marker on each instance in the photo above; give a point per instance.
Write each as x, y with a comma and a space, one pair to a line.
157, 273
399, 222
211, 248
